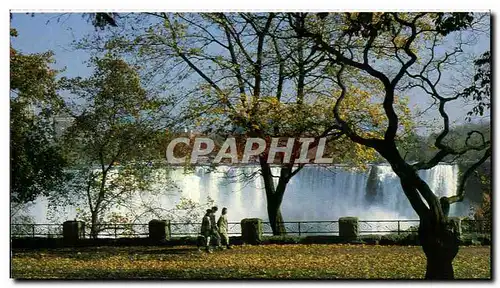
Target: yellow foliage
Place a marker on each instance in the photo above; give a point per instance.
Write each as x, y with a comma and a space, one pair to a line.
267, 262
268, 116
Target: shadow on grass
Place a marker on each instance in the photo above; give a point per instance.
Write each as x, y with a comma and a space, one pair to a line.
175, 274
88, 253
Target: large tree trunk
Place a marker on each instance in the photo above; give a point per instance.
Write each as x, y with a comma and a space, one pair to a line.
439, 237
274, 196
94, 231
440, 240
275, 218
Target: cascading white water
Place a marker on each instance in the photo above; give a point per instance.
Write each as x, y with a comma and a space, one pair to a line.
315, 193
388, 195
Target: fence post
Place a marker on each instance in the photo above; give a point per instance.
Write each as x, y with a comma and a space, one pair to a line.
299, 229
159, 230
399, 227
33, 231
116, 233
251, 230
73, 231
348, 228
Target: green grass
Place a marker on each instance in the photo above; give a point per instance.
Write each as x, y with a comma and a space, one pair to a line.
266, 261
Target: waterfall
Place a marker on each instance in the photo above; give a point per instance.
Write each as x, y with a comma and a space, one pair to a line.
315, 193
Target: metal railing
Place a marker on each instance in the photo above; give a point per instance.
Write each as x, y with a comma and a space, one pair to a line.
295, 228
300, 228
119, 230
36, 230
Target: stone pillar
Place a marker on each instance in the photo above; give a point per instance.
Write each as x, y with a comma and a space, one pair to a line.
73, 231
159, 229
455, 223
348, 228
251, 230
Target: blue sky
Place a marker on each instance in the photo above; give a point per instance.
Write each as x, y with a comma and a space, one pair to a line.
43, 32
36, 35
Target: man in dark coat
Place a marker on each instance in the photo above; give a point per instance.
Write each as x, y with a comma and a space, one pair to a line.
205, 231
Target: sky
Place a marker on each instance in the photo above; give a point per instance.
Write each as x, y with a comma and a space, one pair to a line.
42, 32
57, 32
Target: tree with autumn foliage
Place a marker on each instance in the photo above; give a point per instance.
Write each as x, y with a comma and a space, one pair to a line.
255, 77
111, 144
480, 94
483, 211
36, 164
403, 52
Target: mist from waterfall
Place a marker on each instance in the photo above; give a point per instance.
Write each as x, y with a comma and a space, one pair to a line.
315, 193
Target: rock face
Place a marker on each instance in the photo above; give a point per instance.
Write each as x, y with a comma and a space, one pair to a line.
373, 186
348, 228
159, 230
73, 231
251, 230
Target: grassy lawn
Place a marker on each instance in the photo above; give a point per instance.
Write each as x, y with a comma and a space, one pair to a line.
267, 261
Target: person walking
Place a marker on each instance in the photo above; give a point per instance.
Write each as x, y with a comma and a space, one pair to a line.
214, 230
223, 227
206, 230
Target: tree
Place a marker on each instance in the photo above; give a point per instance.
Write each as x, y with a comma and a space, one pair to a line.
421, 147
256, 78
483, 211
36, 164
112, 142
369, 43
480, 90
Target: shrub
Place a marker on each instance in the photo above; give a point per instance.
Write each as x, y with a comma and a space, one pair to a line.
371, 239
475, 239
400, 239
286, 239
390, 239
485, 239
322, 239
